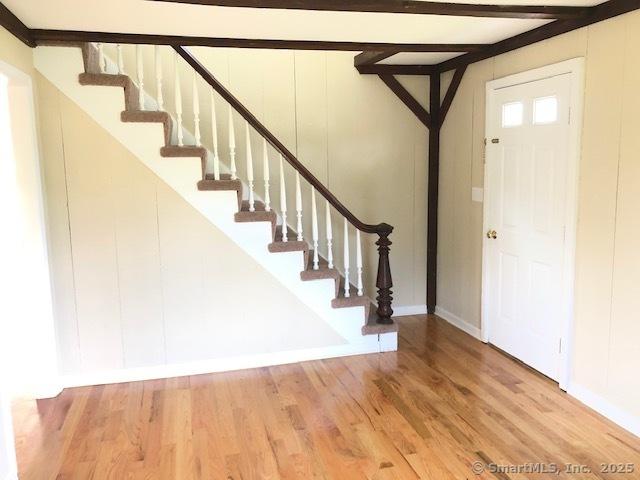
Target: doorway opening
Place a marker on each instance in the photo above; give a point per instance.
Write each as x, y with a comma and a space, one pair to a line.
28, 356
533, 126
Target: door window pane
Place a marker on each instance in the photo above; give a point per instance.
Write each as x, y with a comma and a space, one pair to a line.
512, 114
545, 110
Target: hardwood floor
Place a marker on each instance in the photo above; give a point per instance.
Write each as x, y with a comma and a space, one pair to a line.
430, 410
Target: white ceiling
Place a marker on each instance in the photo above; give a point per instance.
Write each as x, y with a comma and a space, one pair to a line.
141, 16
418, 58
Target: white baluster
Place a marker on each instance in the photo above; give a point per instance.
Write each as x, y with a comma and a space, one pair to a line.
329, 235
314, 229
101, 58
158, 62
359, 262
346, 260
140, 68
214, 134
298, 207
196, 109
265, 171
120, 60
178, 99
283, 202
232, 145
252, 206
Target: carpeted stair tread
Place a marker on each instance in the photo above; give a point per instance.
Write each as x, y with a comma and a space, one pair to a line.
104, 80
144, 116
323, 271
259, 215
353, 300
223, 176
223, 184
291, 235
372, 327
291, 245
109, 80
184, 151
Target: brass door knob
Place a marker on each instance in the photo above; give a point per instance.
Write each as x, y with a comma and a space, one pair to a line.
492, 234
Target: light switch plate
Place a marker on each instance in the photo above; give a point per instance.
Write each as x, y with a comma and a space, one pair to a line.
477, 194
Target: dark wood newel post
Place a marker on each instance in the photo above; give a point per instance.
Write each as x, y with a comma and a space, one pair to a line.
384, 281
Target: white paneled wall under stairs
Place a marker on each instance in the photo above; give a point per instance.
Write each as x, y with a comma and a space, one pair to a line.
158, 104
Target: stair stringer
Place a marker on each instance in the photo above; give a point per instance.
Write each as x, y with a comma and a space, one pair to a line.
62, 67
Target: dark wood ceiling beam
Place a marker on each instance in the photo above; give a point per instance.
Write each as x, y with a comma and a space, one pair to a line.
403, 94
451, 93
383, 69
403, 6
42, 36
15, 26
601, 12
370, 58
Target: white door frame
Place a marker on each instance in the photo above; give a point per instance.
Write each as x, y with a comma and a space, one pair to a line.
575, 68
37, 337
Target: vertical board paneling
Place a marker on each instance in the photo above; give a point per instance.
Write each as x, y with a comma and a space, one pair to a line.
367, 141
625, 329
91, 210
597, 201
60, 258
182, 248
134, 194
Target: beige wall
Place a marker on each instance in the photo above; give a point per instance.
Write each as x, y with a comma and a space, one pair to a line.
607, 300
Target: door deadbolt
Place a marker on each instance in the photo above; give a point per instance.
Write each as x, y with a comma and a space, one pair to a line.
492, 234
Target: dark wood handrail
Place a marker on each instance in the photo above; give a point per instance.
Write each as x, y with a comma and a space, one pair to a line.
380, 229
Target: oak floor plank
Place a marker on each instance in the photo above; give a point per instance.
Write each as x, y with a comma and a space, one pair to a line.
428, 411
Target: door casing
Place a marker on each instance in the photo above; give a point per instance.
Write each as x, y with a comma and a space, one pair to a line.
575, 68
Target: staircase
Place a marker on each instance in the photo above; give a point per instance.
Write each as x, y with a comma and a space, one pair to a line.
93, 75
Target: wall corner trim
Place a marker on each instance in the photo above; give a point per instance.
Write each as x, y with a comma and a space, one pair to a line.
605, 408
458, 322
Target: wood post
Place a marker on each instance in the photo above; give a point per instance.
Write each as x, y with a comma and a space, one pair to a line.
433, 184
384, 281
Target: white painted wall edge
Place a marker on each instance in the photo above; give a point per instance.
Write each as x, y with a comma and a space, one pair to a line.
459, 323
605, 408
375, 344
11, 476
409, 310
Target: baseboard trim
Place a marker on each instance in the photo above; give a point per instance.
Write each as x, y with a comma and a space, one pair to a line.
409, 310
459, 323
384, 343
605, 408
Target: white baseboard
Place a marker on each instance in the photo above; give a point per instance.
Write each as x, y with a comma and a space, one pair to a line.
381, 343
459, 323
409, 310
605, 408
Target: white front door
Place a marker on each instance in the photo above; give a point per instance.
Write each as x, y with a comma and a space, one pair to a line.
528, 139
